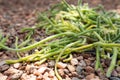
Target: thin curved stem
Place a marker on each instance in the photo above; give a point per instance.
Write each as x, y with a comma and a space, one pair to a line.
113, 62
37, 43
59, 56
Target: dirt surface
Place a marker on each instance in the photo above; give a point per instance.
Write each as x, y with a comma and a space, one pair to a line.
16, 14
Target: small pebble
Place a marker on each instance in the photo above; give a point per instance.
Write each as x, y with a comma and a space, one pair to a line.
4, 56
66, 71
46, 78
70, 74
80, 58
3, 77
2, 63
86, 56
89, 69
74, 74
114, 73
83, 79
36, 72
28, 77
79, 69
43, 65
100, 73
67, 78
81, 76
96, 78
74, 61
89, 77
10, 71
46, 74
51, 63
61, 72
16, 65
4, 67
61, 65
30, 68
42, 70
106, 62
39, 77
114, 78
54, 78
51, 74
1, 53
91, 58
22, 67
119, 75
88, 62
82, 63
71, 68
32, 77
27, 68
75, 78
16, 76
118, 69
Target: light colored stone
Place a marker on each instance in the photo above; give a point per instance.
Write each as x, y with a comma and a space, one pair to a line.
16, 76
30, 69
43, 65
42, 69
74, 61
80, 58
28, 77
118, 69
61, 65
51, 63
24, 76
27, 68
3, 77
96, 78
51, 74
16, 65
67, 78
66, 71
45, 76
91, 76
82, 63
55, 78
83, 79
39, 77
1, 53
11, 70
75, 78
3, 67
74, 74
32, 77
61, 72
71, 68
37, 73
2, 63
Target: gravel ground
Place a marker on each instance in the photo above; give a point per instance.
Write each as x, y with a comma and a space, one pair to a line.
15, 15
